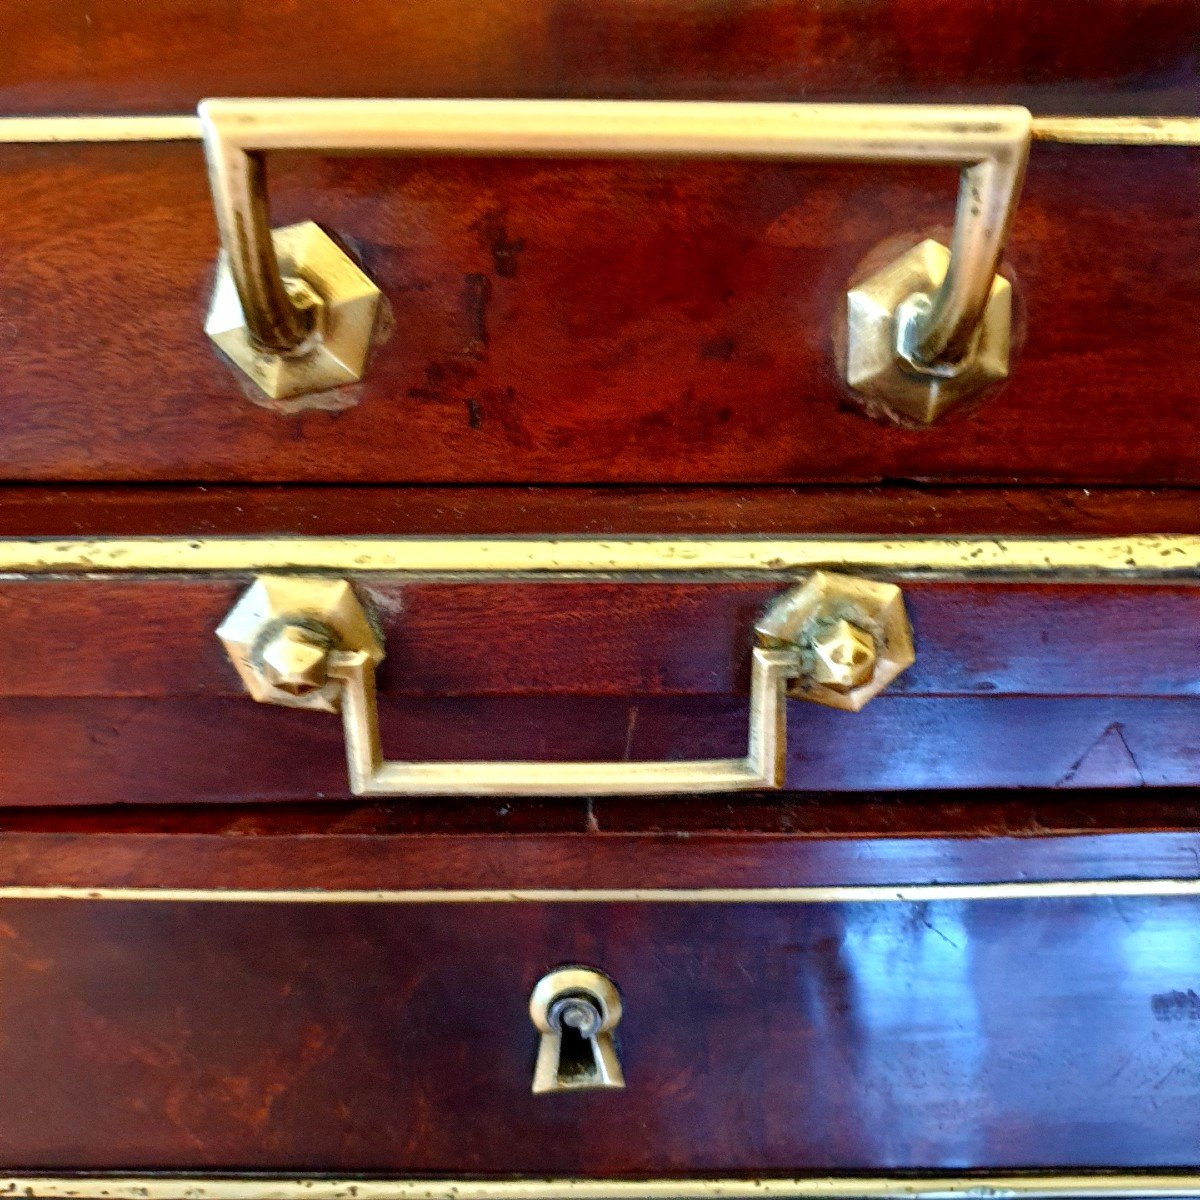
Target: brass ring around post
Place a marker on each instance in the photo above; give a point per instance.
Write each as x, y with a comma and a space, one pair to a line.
989, 143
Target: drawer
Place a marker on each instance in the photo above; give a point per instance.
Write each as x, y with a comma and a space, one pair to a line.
593, 321
586, 666
773, 1020
1117, 56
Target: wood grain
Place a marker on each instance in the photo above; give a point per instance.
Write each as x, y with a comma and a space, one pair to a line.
762, 1037
185, 751
592, 322
192, 839
596, 324
83, 511
148, 637
860, 840
1131, 56
113, 688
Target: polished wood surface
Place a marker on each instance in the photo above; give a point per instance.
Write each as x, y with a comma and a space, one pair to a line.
1131, 56
117, 690
595, 322
192, 750
82, 511
144, 637
575, 326
731, 842
756, 1037
592, 322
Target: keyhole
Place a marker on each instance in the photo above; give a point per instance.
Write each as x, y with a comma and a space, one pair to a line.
578, 1020
575, 1010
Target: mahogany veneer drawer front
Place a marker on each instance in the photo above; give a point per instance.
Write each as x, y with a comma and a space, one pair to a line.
593, 321
1044, 1027
583, 667
605, 319
1115, 56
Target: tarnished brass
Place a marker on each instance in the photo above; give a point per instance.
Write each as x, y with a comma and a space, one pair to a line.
575, 1011
1118, 131
882, 355
932, 328
296, 659
340, 305
307, 643
1074, 130
852, 635
281, 633
844, 656
1028, 1185
1143, 556
843, 893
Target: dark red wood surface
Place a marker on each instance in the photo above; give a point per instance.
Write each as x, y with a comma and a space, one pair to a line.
759, 1037
117, 690
723, 842
592, 322
154, 636
97, 752
597, 323
82, 511
1004, 1034
1076, 55
1095, 55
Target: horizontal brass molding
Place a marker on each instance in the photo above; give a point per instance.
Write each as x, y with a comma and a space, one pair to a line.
1118, 131
99, 129
842, 894
1149, 556
923, 1187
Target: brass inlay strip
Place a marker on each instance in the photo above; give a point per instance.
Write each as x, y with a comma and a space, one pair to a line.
100, 129
1151, 555
841, 894
1118, 131
927, 1187
1121, 131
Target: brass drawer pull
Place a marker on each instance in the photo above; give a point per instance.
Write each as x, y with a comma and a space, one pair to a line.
295, 313
308, 643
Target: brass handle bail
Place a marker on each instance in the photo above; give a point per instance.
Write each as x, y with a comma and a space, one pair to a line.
295, 312
308, 643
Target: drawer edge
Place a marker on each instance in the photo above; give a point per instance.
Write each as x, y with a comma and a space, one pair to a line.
928, 1187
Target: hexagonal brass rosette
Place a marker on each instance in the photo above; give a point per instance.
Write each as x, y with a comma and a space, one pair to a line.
280, 632
877, 363
853, 637
318, 275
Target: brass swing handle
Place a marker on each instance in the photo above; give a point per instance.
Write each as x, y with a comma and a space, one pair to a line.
931, 335
371, 774
308, 643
